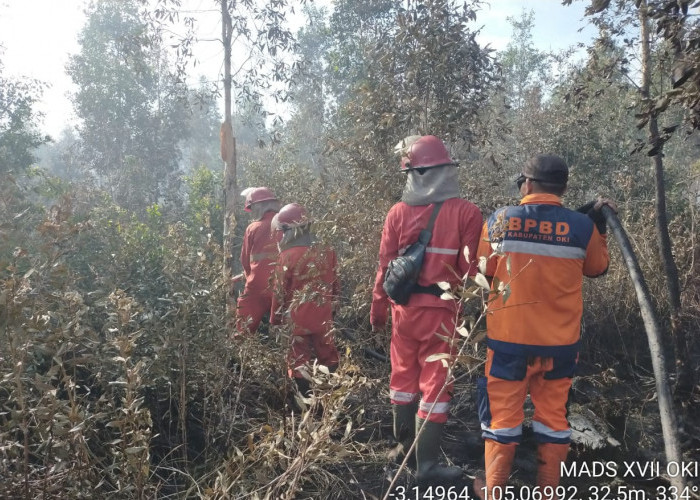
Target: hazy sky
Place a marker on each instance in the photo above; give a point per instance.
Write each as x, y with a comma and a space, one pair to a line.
37, 37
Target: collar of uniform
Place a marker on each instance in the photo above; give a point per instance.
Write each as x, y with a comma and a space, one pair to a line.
541, 199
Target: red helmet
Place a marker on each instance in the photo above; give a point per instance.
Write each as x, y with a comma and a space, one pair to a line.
255, 195
290, 216
426, 152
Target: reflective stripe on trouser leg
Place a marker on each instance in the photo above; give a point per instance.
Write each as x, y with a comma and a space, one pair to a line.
413, 339
398, 397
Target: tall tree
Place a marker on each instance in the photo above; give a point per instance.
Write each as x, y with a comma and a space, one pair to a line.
657, 143
258, 30
61, 156
262, 26
355, 27
228, 155
19, 136
304, 130
632, 22
525, 68
522, 95
130, 107
424, 73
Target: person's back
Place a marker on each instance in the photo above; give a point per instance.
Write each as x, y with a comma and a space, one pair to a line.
258, 256
305, 291
309, 287
456, 227
536, 255
549, 249
419, 390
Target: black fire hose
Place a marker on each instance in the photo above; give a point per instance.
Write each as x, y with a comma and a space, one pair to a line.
651, 324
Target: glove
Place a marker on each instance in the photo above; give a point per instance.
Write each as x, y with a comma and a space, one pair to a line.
596, 216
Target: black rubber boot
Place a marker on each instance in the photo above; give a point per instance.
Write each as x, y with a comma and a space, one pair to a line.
304, 387
405, 431
295, 395
429, 471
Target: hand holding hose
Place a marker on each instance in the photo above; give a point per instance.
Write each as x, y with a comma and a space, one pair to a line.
593, 210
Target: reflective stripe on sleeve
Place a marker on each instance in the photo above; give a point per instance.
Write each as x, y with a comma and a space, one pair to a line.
261, 256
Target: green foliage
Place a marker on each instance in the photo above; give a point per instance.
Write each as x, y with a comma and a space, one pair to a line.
525, 68
19, 136
205, 212
421, 72
81, 348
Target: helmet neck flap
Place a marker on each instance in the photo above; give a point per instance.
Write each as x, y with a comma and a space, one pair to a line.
259, 209
298, 236
433, 185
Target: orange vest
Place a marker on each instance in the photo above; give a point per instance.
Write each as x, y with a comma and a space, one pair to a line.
545, 251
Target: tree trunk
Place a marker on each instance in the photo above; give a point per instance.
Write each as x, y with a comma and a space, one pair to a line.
228, 155
663, 237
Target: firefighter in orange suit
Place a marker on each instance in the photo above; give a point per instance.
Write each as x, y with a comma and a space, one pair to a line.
306, 291
417, 327
258, 257
542, 251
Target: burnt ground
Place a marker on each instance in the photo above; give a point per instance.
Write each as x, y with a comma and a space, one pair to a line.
621, 406
616, 398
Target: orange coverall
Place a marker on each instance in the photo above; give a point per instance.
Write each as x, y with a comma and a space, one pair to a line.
533, 335
305, 289
415, 325
258, 256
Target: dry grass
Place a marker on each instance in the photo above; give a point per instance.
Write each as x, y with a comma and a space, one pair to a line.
119, 379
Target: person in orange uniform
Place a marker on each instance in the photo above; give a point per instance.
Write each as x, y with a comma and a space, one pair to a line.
541, 251
306, 290
258, 257
418, 328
